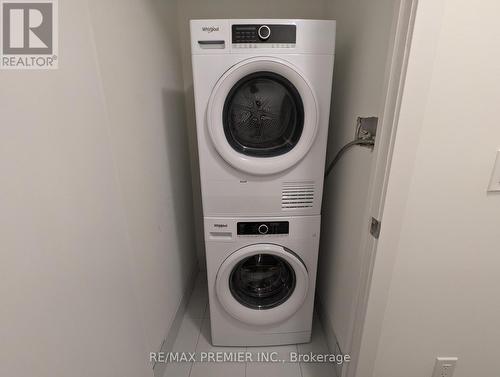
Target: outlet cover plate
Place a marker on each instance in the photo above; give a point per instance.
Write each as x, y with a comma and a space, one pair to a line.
445, 366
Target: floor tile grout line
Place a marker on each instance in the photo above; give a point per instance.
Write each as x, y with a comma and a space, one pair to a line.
300, 368
246, 350
300, 364
196, 346
202, 320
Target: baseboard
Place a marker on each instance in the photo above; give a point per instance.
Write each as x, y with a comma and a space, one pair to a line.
331, 338
168, 342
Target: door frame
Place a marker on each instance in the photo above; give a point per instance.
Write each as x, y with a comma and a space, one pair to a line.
394, 82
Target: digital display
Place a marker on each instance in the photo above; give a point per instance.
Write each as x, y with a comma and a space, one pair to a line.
264, 33
262, 228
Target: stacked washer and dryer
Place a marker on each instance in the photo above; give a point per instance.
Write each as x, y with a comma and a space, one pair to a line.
262, 95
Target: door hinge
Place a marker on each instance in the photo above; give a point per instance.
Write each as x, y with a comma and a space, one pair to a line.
375, 228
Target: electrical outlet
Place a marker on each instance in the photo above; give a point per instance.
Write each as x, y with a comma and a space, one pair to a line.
445, 366
366, 128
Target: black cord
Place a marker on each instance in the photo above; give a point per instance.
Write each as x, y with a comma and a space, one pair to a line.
344, 149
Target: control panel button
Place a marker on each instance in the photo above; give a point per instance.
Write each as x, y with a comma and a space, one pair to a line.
264, 32
263, 229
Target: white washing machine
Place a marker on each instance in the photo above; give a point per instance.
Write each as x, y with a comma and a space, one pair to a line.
261, 279
262, 94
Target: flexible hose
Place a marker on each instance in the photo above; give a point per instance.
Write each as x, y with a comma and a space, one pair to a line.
344, 149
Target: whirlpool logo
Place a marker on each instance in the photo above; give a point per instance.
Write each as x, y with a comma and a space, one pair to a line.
28, 34
210, 29
220, 225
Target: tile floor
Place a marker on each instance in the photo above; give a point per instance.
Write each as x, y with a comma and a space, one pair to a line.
194, 336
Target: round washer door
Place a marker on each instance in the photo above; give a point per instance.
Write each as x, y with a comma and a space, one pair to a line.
262, 284
262, 116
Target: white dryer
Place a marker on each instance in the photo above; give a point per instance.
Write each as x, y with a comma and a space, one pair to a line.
261, 279
262, 95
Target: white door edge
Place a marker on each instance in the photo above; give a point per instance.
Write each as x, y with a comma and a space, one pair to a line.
393, 88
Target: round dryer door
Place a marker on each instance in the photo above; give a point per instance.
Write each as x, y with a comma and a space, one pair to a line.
262, 284
262, 116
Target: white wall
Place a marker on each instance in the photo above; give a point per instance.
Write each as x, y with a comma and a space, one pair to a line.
202, 9
363, 35
93, 187
436, 281
139, 59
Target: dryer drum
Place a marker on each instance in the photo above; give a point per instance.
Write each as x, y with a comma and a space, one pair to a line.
262, 281
263, 115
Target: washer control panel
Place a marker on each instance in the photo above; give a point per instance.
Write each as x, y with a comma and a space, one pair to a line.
262, 228
272, 35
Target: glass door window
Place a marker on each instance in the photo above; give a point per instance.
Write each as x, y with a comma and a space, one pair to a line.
262, 281
263, 115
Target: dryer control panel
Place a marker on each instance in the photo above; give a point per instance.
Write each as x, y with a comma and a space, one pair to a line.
262, 228
272, 34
